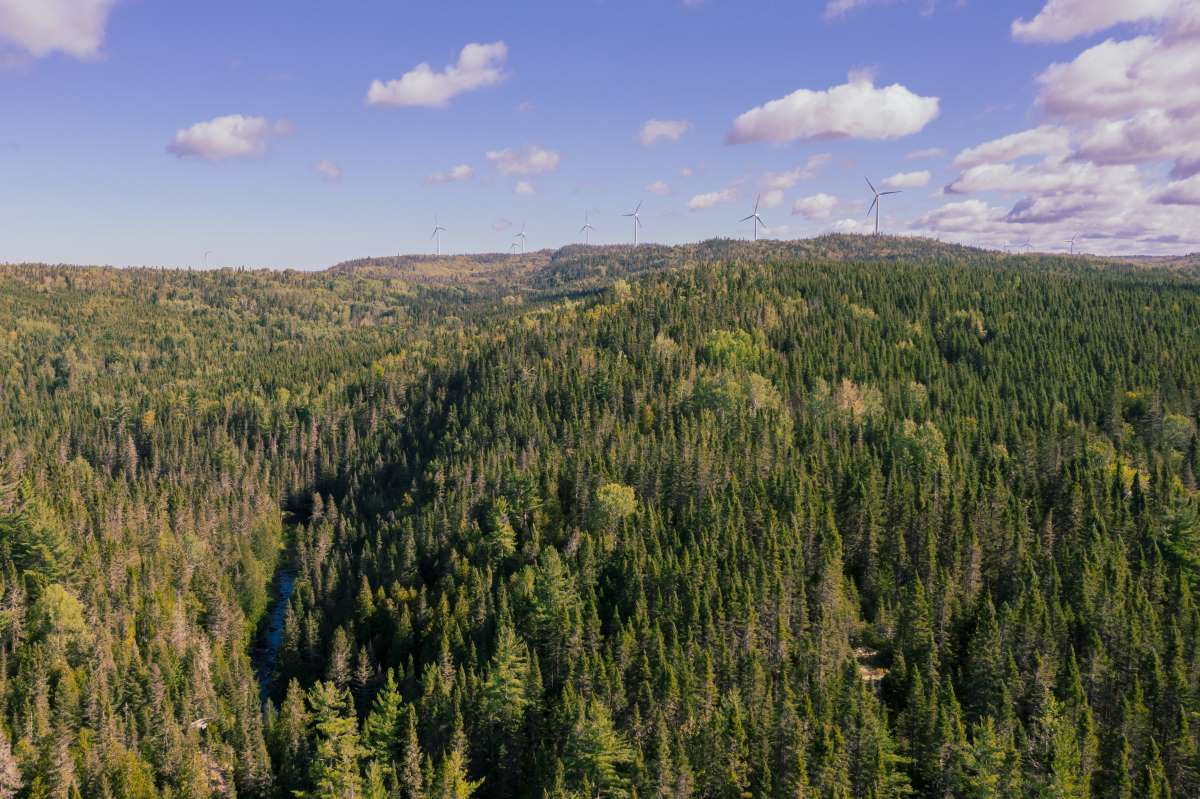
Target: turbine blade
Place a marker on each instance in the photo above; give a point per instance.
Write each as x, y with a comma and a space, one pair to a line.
873, 204
869, 183
746, 218
881, 194
756, 199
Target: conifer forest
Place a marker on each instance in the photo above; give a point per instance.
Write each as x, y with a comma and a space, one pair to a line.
850, 517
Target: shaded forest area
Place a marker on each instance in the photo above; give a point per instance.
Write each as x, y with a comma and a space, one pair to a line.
835, 519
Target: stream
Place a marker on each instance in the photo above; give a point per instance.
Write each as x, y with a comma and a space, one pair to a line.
266, 651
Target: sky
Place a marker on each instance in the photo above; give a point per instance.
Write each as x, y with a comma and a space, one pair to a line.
298, 133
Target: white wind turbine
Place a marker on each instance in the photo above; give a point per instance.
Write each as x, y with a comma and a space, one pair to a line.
521, 237
875, 203
757, 219
637, 221
1071, 241
587, 229
437, 234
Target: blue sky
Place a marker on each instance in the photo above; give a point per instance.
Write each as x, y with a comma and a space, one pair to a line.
120, 140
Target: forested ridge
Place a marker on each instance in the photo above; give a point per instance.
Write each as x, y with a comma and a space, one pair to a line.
642, 525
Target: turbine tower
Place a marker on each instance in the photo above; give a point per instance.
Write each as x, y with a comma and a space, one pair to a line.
875, 203
437, 234
637, 221
521, 237
757, 219
206, 254
587, 229
1071, 242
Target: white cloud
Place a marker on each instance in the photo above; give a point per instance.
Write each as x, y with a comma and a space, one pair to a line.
533, 160
815, 206
659, 187
771, 199
501, 225
835, 8
329, 171
686, 172
788, 179
1120, 104
908, 180
928, 152
656, 130
1115, 79
225, 137
459, 173
1044, 140
42, 27
1051, 176
1151, 135
1180, 192
849, 225
856, 109
478, 66
1062, 20
709, 199
524, 187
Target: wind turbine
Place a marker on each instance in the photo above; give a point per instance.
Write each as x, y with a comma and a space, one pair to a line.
512, 247
587, 229
637, 221
875, 203
206, 254
1071, 241
522, 237
757, 219
437, 234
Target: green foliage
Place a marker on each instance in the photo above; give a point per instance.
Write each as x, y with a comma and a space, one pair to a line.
910, 520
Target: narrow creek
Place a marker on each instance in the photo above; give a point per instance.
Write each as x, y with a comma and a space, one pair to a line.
266, 651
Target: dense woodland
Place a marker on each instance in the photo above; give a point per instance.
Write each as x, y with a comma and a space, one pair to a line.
846, 518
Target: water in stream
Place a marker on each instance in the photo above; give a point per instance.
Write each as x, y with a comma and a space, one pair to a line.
266, 654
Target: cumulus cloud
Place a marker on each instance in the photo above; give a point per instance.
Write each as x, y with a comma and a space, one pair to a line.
1151, 135
478, 66
1051, 176
42, 27
659, 187
1121, 109
856, 109
656, 130
532, 160
1063, 20
524, 187
908, 180
788, 179
1121, 78
225, 137
771, 199
850, 225
815, 206
329, 171
1044, 140
928, 152
1180, 192
459, 173
709, 199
